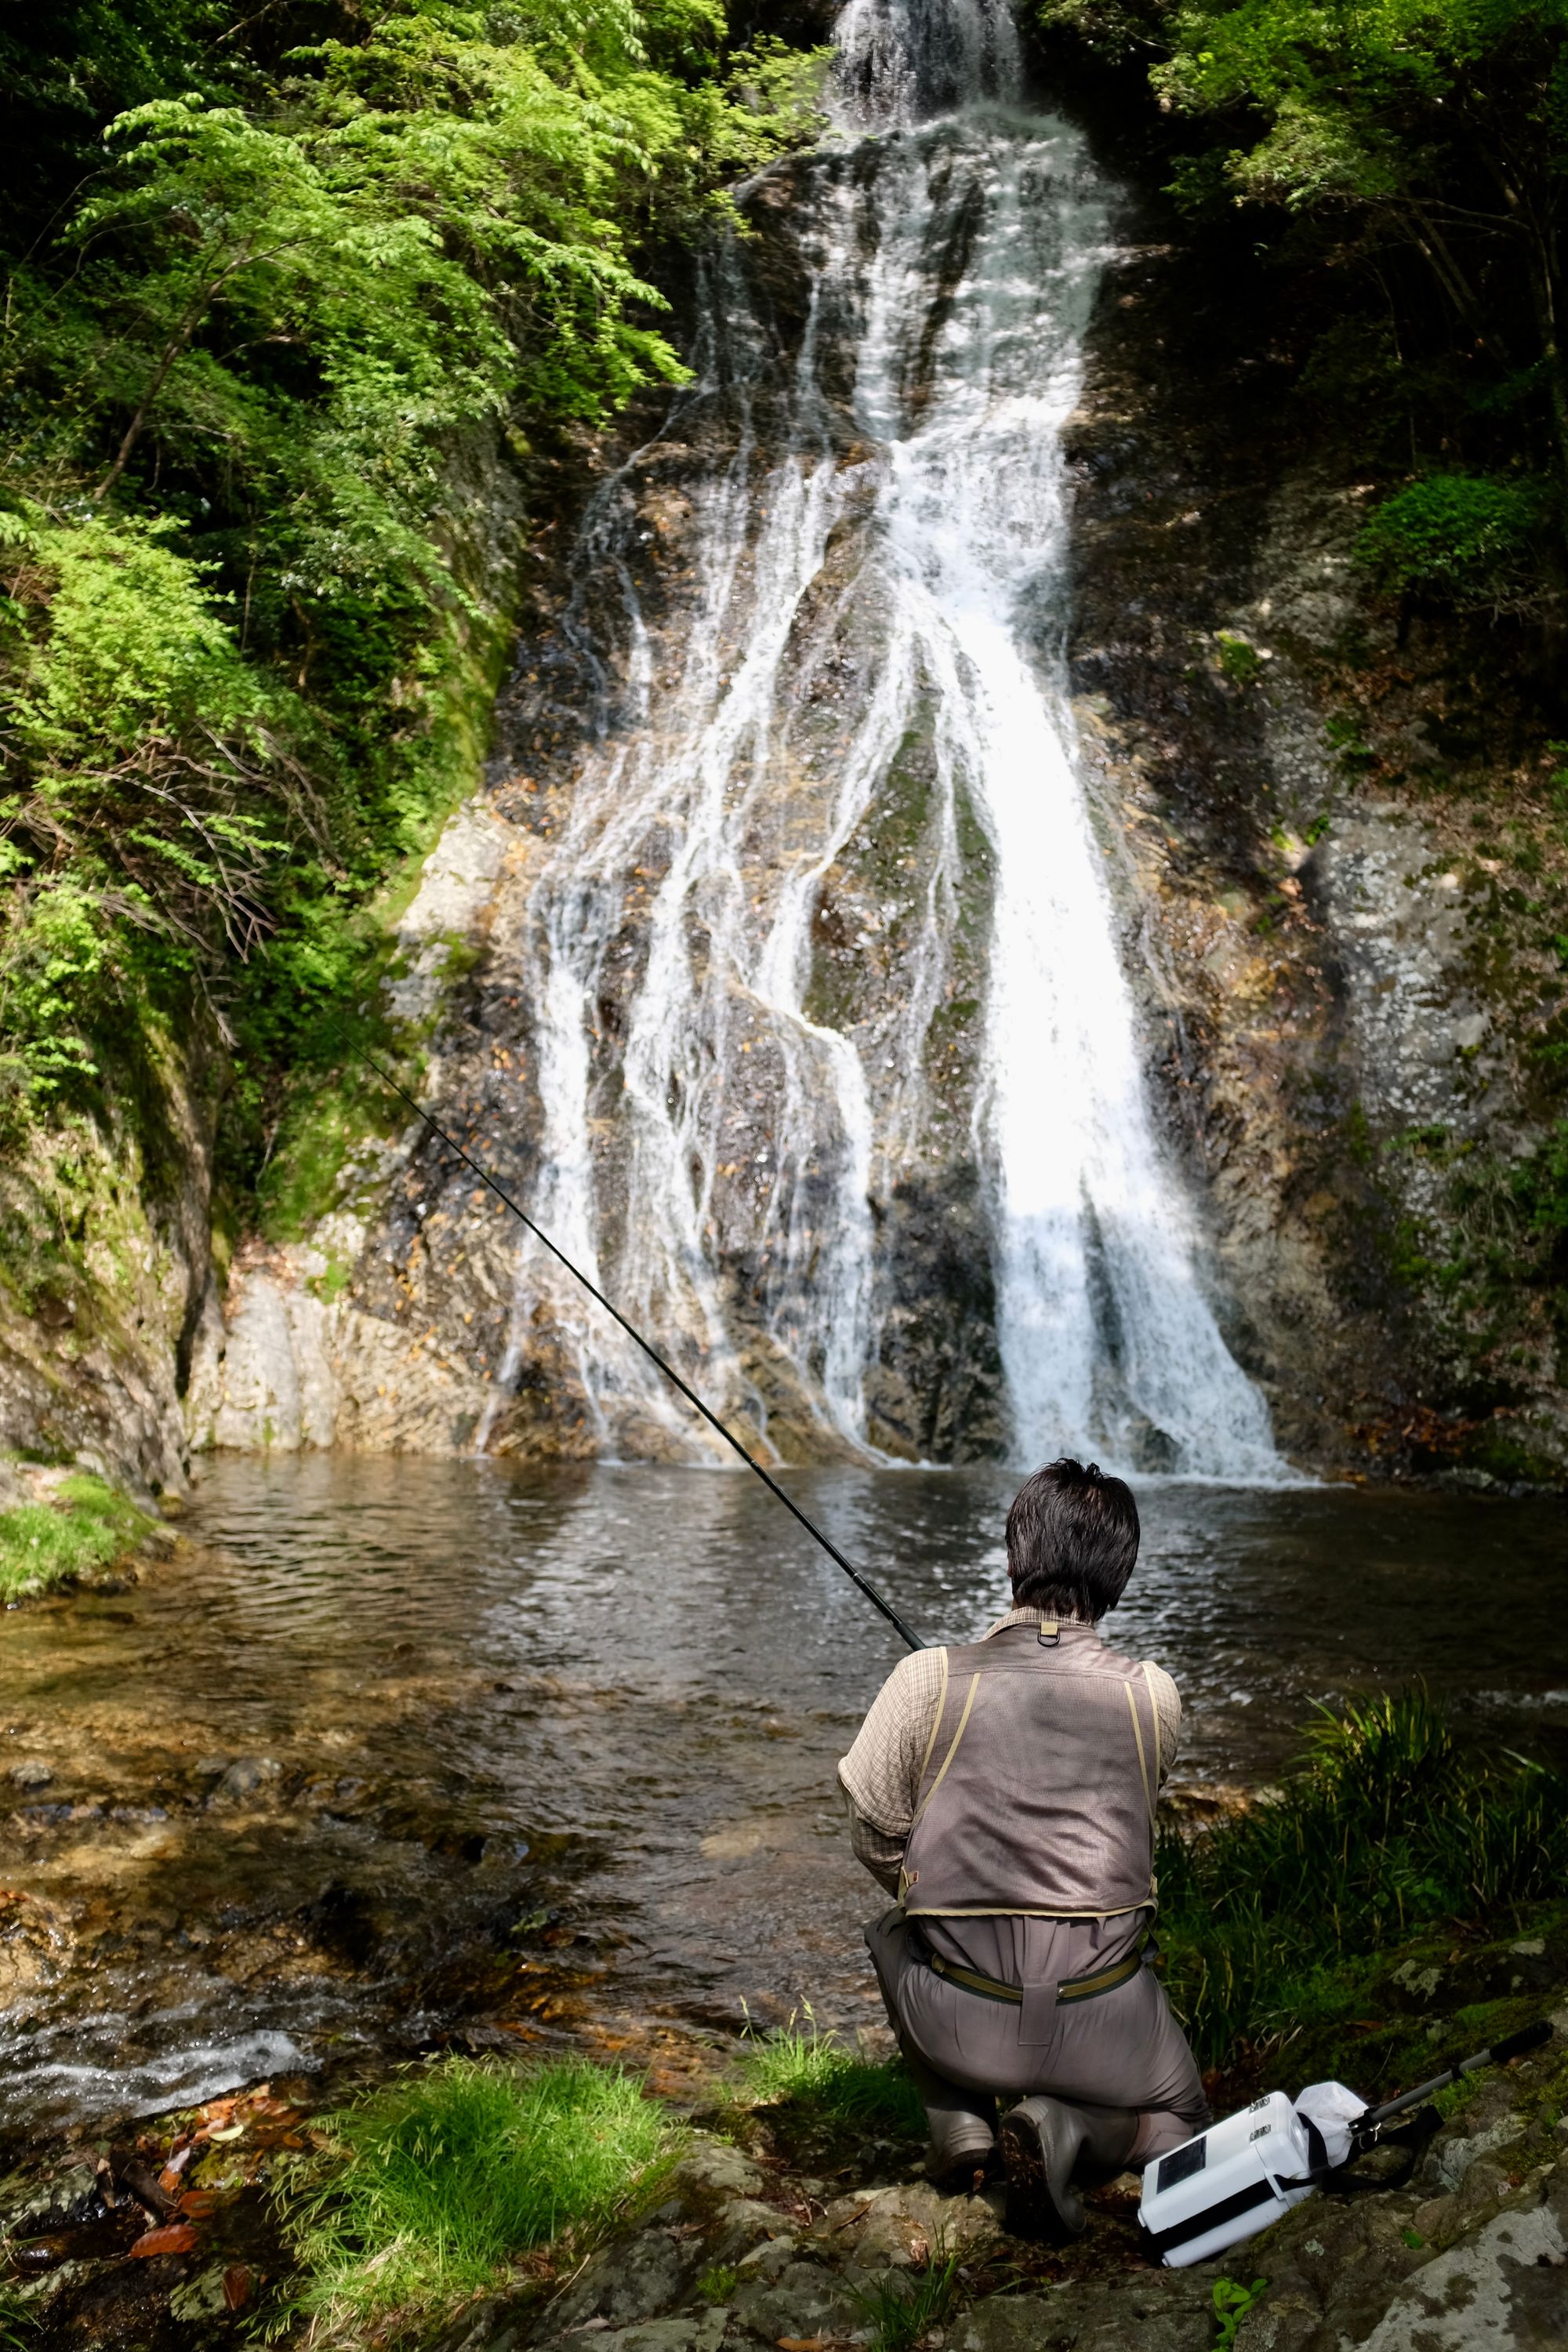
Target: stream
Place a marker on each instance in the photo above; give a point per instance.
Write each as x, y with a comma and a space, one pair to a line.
404, 1749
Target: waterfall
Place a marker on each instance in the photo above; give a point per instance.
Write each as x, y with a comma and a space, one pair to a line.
865, 656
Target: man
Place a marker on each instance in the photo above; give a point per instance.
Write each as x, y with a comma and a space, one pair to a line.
1005, 1791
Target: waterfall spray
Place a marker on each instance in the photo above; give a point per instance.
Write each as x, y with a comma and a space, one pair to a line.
948, 242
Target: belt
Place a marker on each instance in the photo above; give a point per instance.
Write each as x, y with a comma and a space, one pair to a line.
1087, 1988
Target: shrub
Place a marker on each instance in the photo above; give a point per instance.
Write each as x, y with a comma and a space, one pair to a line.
432, 2183
1467, 539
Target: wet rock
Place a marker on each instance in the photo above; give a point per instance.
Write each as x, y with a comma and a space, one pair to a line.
243, 1778
32, 1772
1489, 2122
1170, 2311
200, 2297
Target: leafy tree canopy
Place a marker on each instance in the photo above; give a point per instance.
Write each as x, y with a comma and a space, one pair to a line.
268, 271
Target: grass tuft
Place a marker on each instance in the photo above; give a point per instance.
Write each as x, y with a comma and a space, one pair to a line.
434, 2182
1386, 1827
902, 2306
84, 1528
800, 2067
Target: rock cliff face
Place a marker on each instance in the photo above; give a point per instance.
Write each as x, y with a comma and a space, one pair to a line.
108, 1247
1344, 989
1338, 984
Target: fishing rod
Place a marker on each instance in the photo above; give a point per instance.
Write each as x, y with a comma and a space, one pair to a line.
863, 1582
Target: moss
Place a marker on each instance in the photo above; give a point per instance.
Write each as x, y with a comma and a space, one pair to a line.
85, 1526
1239, 659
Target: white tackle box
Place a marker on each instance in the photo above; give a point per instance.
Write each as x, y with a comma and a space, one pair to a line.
1229, 2182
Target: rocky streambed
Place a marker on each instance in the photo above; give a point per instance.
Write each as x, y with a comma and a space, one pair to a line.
782, 2229
434, 1757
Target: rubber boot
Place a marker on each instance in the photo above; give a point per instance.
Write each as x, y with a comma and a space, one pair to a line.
961, 2124
962, 2144
1047, 2146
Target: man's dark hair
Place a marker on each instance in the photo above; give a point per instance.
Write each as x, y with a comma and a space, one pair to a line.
1072, 1540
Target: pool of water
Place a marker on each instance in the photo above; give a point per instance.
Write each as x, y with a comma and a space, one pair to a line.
403, 1748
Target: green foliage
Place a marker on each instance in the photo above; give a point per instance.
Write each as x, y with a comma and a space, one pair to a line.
801, 2067
1419, 148
87, 1526
268, 279
431, 2184
903, 2306
718, 2285
1466, 538
1386, 1826
1232, 2302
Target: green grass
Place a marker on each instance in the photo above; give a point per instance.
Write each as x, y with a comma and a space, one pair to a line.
85, 1528
16, 2319
718, 2285
801, 2067
433, 2183
1385, 1829
902, 2306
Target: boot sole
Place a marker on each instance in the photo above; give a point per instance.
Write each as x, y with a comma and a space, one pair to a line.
960, 2171
1032, 2211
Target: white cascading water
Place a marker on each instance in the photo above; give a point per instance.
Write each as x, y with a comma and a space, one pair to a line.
962, 377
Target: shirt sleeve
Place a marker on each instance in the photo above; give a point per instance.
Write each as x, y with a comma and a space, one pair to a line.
882, 1774
882, 1856
1167, 1701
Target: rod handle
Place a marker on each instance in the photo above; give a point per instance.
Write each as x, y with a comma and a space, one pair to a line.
1514, 2045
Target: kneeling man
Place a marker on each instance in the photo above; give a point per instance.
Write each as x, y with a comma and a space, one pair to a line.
1005, 1790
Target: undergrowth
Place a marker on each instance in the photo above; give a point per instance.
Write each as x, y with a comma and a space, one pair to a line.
430, 2185
1386, 1827
86, 1526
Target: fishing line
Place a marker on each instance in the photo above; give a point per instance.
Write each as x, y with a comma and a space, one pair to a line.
864, 1583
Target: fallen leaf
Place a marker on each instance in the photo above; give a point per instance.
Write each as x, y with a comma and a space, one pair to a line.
800, 2343
197, 2203
237, 2287
178, 2239
227, 2132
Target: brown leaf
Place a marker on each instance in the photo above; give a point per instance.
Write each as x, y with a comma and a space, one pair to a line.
197, 2203
178, 2239
800, 2343
237, 2287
